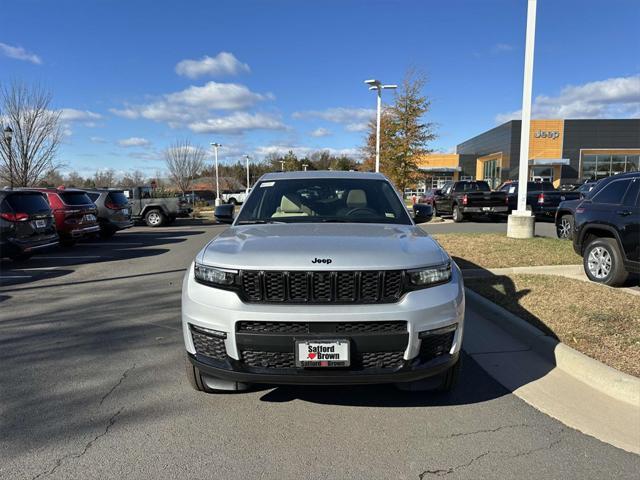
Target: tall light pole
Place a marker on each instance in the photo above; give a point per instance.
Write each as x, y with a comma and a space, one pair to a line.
305, 165
377, 85
215, 146
8, 136
282, 165
521, 224
246, 157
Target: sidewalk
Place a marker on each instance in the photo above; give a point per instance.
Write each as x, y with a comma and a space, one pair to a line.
569, 271
514, 361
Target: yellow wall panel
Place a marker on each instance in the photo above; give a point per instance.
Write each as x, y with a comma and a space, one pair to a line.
545, 138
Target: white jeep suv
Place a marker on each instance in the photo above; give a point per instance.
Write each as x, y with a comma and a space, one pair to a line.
323, 278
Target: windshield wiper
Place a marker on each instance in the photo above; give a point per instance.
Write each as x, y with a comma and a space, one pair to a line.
261, 222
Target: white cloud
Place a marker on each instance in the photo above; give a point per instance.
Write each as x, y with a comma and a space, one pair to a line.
222, 64
321, 132
134, 142
194, 104
300, 151
97, 140
73, 115
354, 119
19, 53
611, 98
503, 48
238, 122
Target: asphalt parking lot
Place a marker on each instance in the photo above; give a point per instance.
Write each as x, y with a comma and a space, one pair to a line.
93, 386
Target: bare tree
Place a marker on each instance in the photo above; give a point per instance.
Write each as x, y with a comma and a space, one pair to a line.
104, 178
36, 133
184, 162
133, 179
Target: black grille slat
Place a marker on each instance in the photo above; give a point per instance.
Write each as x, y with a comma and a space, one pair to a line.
346, 286
274, 289
251, 286
253, 358
208, 345
360, 361
354, 328
377, 360
392, 285
369, 286
321, 287
298, 286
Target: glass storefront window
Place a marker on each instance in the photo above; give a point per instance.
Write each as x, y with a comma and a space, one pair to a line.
595, 167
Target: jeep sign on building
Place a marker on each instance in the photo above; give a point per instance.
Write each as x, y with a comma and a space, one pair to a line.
561, 151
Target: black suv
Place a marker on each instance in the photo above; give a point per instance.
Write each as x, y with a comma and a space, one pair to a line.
607, 229
26, 224
114, 211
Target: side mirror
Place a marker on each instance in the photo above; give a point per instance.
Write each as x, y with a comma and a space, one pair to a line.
422, 213
224, 213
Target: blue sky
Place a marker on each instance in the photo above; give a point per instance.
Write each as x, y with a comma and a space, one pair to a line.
133, 76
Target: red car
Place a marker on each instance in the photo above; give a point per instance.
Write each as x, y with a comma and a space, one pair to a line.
74, 212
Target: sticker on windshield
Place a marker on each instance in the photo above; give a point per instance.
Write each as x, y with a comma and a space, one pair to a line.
512, 189
267, 184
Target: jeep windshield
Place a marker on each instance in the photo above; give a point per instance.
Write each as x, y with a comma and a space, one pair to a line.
317, 200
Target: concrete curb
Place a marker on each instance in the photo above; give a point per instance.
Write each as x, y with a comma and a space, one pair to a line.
607, 380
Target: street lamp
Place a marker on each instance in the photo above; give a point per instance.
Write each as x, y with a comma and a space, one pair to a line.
521, 223
282, 165
8, 136
215, 150
377, 85
305, 165
246, 157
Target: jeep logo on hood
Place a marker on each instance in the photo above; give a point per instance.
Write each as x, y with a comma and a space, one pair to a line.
322, 260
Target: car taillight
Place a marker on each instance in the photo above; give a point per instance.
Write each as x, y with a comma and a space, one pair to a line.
540, 198
465, 199
112, 206
15, 217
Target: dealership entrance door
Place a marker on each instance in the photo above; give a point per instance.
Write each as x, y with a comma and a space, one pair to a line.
491, 173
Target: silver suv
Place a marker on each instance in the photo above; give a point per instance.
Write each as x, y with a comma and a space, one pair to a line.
323, 278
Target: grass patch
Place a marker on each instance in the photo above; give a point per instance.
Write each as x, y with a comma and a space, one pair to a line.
596, 320
496, 250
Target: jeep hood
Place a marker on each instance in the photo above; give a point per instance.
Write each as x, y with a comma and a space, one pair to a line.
349, 246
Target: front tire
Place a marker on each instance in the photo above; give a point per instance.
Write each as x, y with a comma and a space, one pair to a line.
564, 230
603, 263
154, 218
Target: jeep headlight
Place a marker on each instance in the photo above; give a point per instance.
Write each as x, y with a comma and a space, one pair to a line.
424, 277
214, 276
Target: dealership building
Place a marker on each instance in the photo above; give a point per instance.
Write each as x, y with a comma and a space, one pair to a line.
560, 151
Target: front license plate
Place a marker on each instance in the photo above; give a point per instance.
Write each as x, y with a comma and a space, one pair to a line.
322, 353
41, 223
89, 218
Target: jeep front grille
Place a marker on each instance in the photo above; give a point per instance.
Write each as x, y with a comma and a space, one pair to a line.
384, 286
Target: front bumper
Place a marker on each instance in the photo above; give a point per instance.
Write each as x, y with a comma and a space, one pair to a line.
422, 310
411, 370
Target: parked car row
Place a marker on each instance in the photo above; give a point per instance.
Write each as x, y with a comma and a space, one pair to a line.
32, 219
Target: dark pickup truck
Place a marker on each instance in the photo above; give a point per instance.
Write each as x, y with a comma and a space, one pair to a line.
542, 197
154, 210
464, 198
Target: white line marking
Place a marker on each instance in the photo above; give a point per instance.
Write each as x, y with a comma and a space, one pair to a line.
2, 277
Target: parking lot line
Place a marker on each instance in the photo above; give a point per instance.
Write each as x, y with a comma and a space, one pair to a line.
110, 244
15, 276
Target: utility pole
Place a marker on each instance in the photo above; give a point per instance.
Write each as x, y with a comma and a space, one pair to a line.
377, 85
215, 146
8, 136
246, 157
521, 223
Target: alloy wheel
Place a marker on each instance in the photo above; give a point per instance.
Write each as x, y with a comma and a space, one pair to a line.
154, 218
565, 228
599, 263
